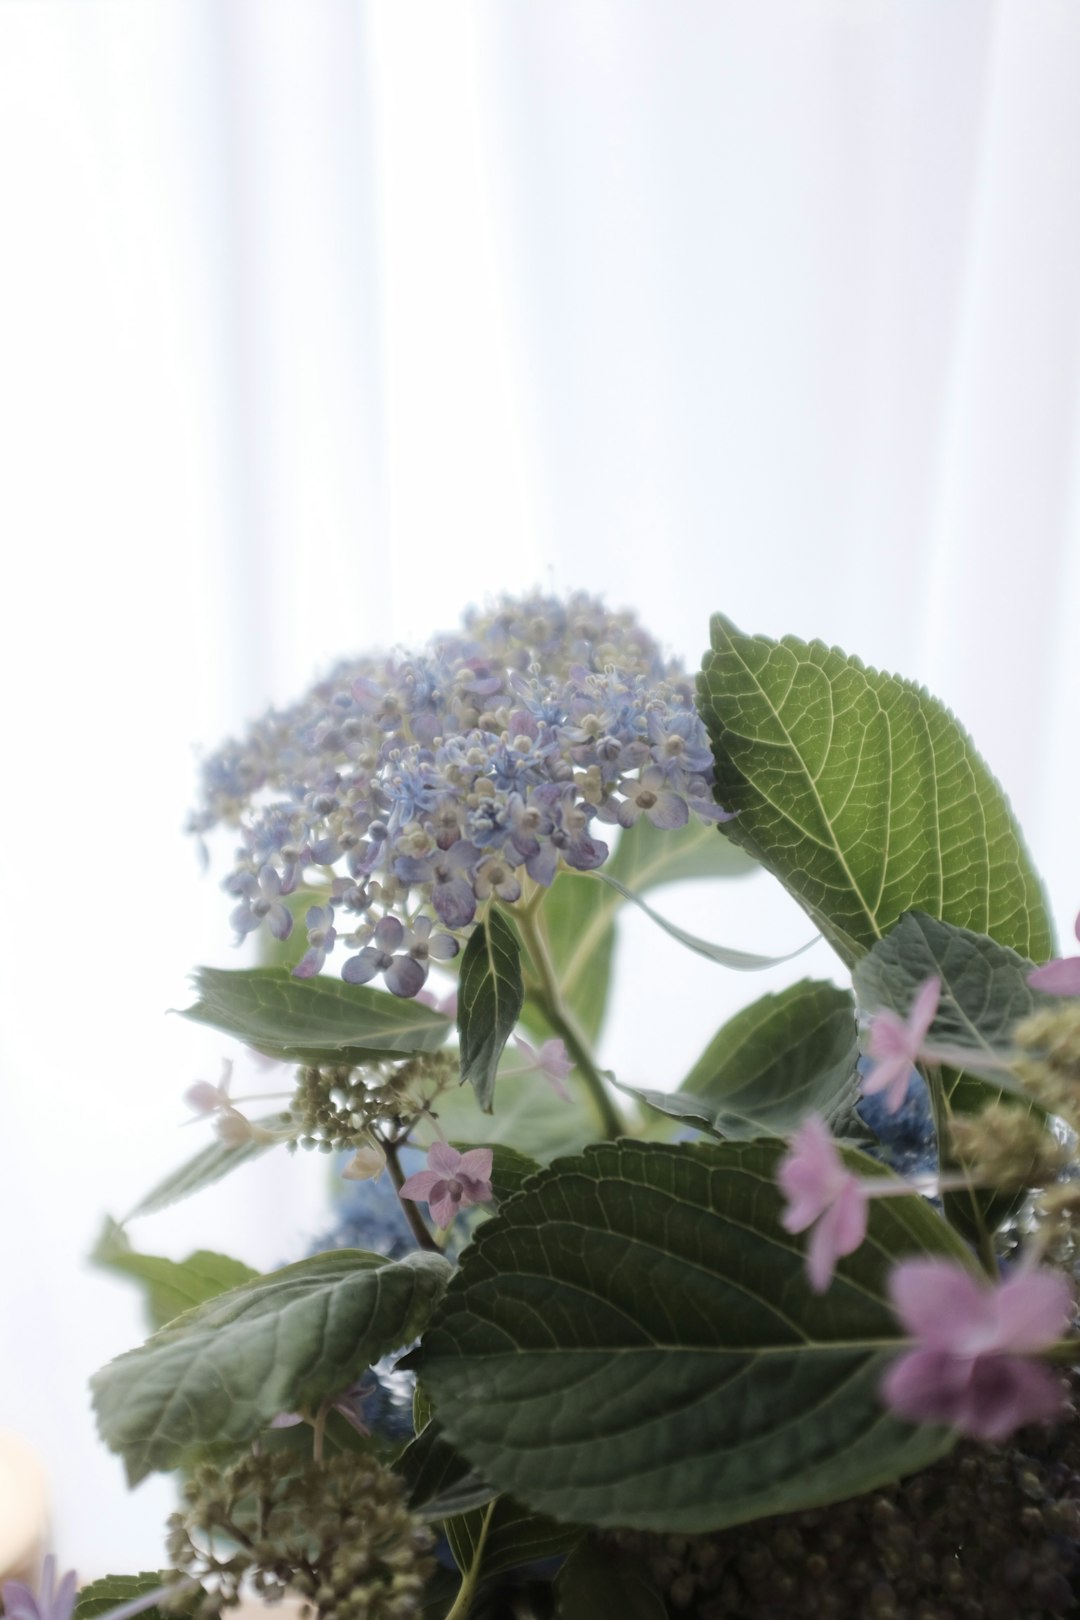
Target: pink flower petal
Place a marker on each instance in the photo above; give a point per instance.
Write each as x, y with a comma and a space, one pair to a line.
890, 1076
1034, 1310
1061, 977
1004, 1393
888, 1036
940, 1302
443, 1204
443, 1157
927, 1386
420, 1186
809, 1175
476, 1164
839, 1231
923, 1012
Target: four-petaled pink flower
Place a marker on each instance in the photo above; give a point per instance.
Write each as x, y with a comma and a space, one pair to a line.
823, 1194
896, 1045
1059, 977
451, 1182
970, 1368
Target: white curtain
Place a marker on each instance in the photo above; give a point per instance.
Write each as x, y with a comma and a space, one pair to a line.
319, 319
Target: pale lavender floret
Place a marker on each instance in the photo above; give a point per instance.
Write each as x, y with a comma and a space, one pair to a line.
321, 937
647, 796
261, 902
401, 955
679, 741
449, 872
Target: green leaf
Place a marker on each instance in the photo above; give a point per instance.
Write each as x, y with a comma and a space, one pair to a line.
320, 1020
490, 994
596, 1583
984, 989
281, 1343
863, 795
208, 1165
579, 914
984, 994
785, 1056
504, 1536
725, 955
633, 1342
439, 1479
172, 1286
111, 1590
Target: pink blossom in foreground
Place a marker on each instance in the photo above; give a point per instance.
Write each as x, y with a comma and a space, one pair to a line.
823, 1194
970, 1367
1061, 976
451, 1182
896, 1045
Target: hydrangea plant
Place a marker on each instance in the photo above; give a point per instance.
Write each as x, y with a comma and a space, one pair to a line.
621, 1312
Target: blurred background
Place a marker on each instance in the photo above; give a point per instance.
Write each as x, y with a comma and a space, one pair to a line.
320, 319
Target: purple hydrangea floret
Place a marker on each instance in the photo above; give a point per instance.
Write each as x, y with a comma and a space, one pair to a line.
414, 789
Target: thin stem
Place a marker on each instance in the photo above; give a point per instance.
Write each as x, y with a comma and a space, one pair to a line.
319, 1427
470, 1576
412, 1214
942, 1112
549, 1000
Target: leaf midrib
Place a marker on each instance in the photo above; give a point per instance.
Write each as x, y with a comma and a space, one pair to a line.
812, 784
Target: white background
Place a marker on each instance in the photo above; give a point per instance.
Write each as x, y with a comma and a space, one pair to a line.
320, 319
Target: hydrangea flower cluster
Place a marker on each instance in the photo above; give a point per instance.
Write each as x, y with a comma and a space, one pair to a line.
411, 789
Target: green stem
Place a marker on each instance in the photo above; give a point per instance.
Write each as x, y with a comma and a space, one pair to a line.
412, 1214
548, 998
470, 1576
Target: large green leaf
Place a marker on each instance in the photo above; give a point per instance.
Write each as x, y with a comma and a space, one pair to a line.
172, 1286
783, 1057
490, 994
212, 1162
863, 795
579, 914
320, 1020
282, 1343
632, 1341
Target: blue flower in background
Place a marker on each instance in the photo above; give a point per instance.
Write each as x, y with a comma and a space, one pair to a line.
906, 1140
369, 1216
